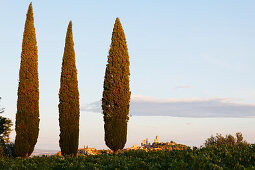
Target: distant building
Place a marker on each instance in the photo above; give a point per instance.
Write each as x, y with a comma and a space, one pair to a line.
135, 147
143, 143
87, 151
156, 140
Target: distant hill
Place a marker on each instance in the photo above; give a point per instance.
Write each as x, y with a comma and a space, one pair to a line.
40, 152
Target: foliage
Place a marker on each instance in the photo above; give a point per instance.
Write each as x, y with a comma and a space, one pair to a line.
6, 148
116, 94
69, 109
5, 128
27, 117
214, 157
9, 150
228, 140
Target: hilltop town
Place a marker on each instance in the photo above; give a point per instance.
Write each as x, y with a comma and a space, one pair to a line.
145, 145
156, 145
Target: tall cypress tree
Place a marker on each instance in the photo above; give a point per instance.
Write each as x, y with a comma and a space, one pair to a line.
116, 94
27, 117
69, 108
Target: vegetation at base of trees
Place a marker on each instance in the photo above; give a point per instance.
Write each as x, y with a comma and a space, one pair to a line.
227, 140
69, 108
116, 94
214, 157
27, 117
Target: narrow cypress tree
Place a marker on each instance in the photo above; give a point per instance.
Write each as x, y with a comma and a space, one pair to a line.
116, 94
69, 108
27, 117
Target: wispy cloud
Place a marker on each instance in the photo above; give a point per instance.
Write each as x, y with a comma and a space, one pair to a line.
190, 107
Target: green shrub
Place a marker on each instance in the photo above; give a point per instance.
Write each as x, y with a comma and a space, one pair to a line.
9, 150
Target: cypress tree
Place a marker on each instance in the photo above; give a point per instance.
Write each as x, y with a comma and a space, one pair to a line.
116, 94
27, 116
69, 109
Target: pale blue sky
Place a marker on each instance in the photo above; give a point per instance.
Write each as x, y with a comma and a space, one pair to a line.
178, 50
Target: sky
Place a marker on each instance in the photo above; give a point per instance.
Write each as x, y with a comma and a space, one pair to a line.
191, 65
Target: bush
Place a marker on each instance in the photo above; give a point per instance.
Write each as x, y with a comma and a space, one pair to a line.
227, 140
5, 128
9, 150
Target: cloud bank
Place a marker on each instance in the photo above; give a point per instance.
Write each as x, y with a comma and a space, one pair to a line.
193, 107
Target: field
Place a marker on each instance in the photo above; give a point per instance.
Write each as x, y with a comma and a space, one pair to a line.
221, 157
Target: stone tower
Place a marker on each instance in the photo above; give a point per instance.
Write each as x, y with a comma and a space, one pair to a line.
156, 140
